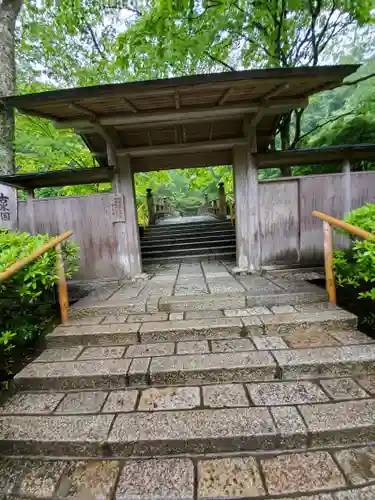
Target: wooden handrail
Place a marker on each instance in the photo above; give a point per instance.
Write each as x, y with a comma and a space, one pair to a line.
62, 284
328, 222
357, 231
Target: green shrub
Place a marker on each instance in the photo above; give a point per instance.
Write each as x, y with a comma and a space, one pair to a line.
355, 268
24, 312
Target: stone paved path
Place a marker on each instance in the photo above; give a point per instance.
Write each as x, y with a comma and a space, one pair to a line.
263, 392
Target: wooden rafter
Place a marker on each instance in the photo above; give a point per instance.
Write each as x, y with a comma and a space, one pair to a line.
275, 91
130, 105
176, 100
82, 109
224, 96
194, 113
190, 147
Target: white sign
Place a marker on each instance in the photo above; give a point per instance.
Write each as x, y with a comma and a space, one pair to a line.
8, 207
117, 208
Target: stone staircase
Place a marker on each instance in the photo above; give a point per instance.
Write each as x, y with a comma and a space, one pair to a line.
258, 395
189, 241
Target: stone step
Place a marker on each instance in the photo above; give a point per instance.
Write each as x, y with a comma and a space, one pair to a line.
345, 474
199, 257
188, 237
198, 431
230, 360
193, 243
164, 228
217, 301
181, 251
201, 329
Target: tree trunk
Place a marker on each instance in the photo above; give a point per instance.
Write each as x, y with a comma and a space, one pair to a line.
285, 143
9, 10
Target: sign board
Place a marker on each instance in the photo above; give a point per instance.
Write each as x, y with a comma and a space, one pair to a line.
8, 207
117, 208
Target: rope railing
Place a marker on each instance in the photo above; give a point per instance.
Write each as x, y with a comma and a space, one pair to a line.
328, 222
62, 284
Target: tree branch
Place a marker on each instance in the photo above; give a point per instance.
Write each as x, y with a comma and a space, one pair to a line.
95, 42
359, 80
215, 59
324, 124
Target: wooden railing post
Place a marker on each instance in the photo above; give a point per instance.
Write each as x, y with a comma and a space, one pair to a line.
222, 200
328, 262
62, 285
150, 206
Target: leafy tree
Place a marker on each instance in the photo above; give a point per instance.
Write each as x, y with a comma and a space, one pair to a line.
9, 10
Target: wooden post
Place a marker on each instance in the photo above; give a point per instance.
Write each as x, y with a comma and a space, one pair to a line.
150, 206
328, 262
222, 200
130, 259
30, 211
247, 209
62, 285
347, 187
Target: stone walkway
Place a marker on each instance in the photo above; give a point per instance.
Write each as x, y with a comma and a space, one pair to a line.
253, 387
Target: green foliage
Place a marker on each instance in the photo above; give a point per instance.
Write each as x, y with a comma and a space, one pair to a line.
33, 280
356, 268
22, 315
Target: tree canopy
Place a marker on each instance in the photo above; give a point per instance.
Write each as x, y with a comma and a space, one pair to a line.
65, 44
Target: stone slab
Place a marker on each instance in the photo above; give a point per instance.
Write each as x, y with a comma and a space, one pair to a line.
138, 371
89, 320
368, 383
199, 329
193, 431
326, 362
101, 334
340, 423
301, 339
197, 347
91, 374
343, 388
146, 350
352, 337
102, 352
115, 318
286, 393
232, 345
268, 343
302, 472
40, 478
250, 311
283, 309
358, 464
94, 479
366, 493
223, 367
144, 318
276, 298
281, 324
156, 479
222, 285
169, 398
108, 308
176, 316
202, 302
57, 435
82, 402
229, 478
32, 403
253, 324
11, 471
292, 429
68, 354
202, 314
120, 401
224, 396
